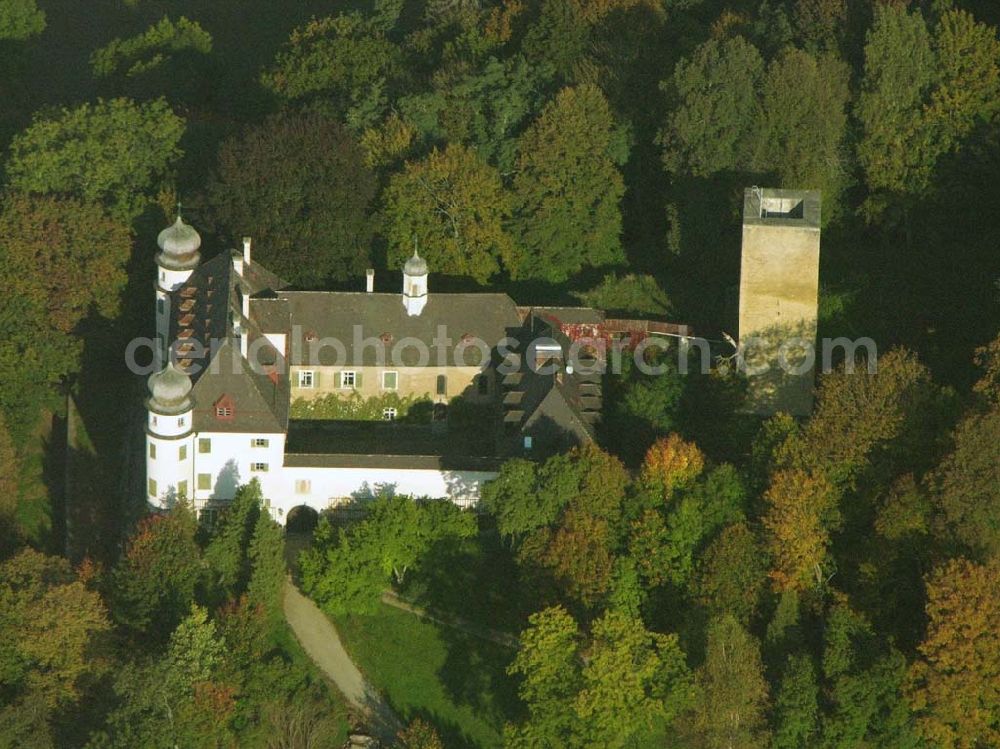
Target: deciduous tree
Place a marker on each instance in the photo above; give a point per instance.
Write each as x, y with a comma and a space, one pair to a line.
966, 491
731, 573
347, 58
631, 678
672, 463
804, 102
150, 49
548, 663
954, 687
154, 582
112, 152
568, 189
298, 184
715, 109
800, 511
20, 19
731, 702
53, 629
63, 255
452, 206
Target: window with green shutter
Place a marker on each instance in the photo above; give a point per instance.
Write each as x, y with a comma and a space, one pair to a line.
204, 482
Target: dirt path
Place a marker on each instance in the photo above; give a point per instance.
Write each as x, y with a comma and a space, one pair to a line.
507, 640
318, 637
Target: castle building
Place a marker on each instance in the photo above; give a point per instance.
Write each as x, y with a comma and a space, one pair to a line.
246, 358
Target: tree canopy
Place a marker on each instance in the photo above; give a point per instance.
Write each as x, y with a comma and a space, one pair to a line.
113, 152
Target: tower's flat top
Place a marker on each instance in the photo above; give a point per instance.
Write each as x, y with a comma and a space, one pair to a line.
769, 206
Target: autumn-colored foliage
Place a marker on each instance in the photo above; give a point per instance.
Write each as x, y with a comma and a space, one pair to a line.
671, 462
800, 506
954, 686
65, 256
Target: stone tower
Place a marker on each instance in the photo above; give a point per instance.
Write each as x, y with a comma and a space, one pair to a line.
169, 437
779, 295
176, 260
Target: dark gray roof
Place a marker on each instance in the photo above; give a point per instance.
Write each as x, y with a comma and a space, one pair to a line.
270, 313
557, 410
375, 444
569, 315
349, 317
259, 399
203, 313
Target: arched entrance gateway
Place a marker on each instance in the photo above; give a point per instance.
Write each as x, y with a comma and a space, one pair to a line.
301, 519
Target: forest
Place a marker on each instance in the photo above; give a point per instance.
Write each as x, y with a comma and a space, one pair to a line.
699, 578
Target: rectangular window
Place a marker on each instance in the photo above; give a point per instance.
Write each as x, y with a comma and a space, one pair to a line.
306, 378
154, 421
204, 482
258, 467
303, 486
182, 453
204, 445
182, 489
442, 384
389, 414
348, 379
151, 487
208, 517
152, 451
259, 442
390, 380
181, 421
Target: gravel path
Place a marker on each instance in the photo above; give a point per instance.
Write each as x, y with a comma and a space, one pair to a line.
318, 637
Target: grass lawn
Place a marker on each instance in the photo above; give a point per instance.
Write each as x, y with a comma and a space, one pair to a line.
476, 579
453, 680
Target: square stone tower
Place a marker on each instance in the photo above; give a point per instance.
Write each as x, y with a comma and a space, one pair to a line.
779, 296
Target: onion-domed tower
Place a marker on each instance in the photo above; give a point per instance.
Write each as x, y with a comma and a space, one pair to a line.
169, 436
415, 284
176, 260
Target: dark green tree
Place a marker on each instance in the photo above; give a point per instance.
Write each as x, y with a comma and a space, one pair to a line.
227, 554
731, 703
567, 188
453, 206
347, 62
112, 152
267, 566
796, 704
965, 495
153, 584
297, 184
715, 109
20, 19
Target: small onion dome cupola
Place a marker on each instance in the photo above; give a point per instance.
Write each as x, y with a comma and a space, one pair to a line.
170, 390
415, 266
179, 245
415, 284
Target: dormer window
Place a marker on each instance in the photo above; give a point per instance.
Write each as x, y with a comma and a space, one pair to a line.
225, 410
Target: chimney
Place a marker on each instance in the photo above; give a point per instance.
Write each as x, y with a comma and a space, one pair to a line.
246, 251
370, 280
245, 305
